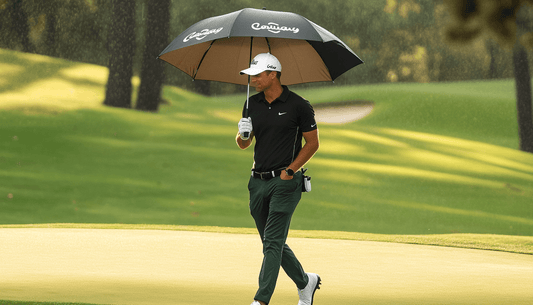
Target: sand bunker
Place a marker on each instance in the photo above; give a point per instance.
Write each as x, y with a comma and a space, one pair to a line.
342, 112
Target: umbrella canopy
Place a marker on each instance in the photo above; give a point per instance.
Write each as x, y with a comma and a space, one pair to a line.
218, 48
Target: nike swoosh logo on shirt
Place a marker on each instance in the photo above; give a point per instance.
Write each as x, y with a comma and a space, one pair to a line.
313, 125
282, 113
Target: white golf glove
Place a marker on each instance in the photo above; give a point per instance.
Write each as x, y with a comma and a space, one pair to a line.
245, 125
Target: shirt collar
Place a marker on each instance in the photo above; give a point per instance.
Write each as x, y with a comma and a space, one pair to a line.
282, 98
284, 95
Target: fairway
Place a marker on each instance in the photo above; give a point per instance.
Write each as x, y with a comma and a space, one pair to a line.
437, 158
178, 267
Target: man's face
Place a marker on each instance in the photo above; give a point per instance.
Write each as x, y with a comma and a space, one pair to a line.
263, 80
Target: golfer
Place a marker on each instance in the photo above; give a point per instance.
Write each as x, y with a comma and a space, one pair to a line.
278, 120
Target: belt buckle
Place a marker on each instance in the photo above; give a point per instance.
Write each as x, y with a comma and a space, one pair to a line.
265, 175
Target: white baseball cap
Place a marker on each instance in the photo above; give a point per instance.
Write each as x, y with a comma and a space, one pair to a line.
263, 62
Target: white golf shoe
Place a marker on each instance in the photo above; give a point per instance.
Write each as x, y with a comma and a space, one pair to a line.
307, 294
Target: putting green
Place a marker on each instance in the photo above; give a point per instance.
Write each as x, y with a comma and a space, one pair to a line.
178, 267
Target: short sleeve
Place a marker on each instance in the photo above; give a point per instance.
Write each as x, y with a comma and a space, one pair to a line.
307, 117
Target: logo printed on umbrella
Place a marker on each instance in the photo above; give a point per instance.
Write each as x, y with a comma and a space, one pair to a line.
274, 28
201, 35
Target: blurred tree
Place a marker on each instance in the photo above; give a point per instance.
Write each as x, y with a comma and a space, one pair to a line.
83, 29
509, 22
20, 23
404, 53
14, 25
187, 13
403, 37
152, 70
491, 47
121, 43
52, 27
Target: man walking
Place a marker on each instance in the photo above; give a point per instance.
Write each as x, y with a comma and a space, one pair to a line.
278, 119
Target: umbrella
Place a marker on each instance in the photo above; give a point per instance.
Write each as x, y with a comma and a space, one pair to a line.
217, 48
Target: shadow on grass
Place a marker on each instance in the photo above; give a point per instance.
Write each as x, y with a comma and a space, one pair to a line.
22, 69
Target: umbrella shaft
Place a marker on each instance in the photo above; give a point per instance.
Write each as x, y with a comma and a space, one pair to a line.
245, 114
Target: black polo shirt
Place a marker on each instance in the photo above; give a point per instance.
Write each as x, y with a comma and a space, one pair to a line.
278, 128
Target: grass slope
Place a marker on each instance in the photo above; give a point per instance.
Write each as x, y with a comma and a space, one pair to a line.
430, 159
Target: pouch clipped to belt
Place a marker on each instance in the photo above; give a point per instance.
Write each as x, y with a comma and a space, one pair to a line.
306, 185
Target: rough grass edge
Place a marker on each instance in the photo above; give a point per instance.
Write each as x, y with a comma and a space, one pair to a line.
504, 243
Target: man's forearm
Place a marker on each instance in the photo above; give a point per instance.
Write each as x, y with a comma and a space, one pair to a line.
307, 152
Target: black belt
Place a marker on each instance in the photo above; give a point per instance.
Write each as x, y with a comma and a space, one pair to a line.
266, 175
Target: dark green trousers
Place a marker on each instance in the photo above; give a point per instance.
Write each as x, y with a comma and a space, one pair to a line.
272, 203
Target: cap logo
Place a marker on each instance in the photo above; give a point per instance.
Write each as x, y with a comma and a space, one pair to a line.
201, 35
262, 62
274, 28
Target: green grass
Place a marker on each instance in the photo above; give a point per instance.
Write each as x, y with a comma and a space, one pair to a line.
6, 302
434, 164
430, 159
504, 243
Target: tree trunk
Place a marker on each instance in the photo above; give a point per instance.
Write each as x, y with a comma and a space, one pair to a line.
523, 97
52, 28
121, 42
20, 24
491, 46
152, 71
